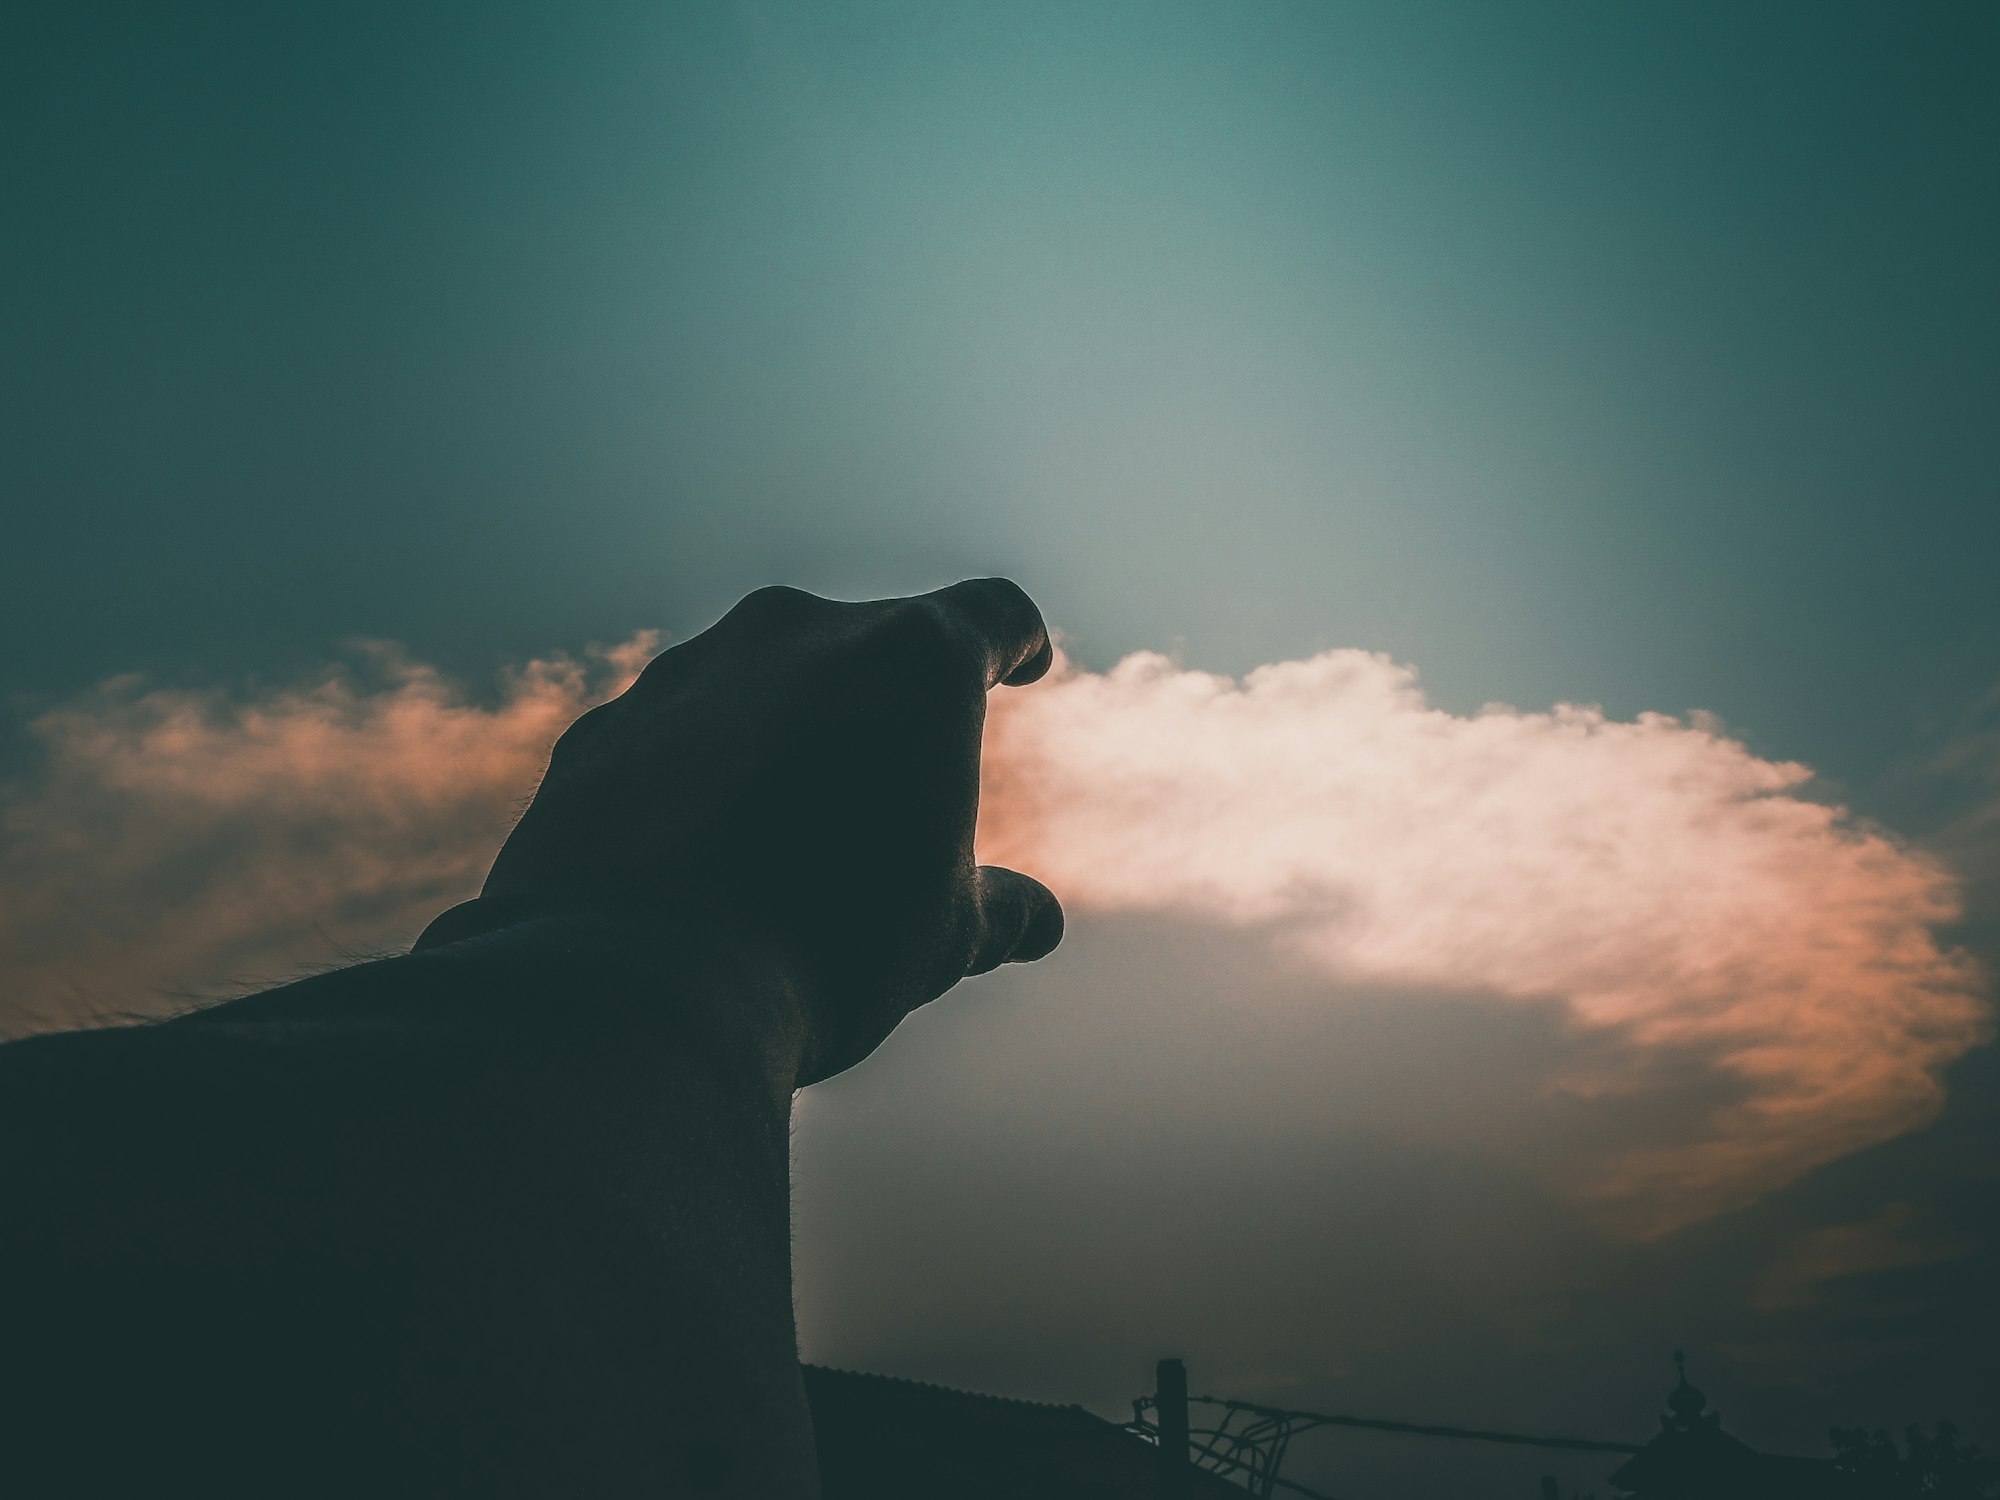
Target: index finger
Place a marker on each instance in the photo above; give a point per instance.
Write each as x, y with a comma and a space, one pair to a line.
998, 613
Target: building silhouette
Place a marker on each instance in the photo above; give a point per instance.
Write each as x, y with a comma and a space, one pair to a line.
1692, 1458
881, 1438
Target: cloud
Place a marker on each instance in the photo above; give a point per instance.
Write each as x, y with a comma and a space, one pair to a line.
178, 839
1964, 777
1714, 941
1890, 1241
1655, 879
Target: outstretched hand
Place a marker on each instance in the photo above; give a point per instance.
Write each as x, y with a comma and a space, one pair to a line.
806, 773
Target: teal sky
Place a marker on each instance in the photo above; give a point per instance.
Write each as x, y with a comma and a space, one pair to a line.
1636, 354
1639, 354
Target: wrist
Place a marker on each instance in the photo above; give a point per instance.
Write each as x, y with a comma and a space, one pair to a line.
692, 975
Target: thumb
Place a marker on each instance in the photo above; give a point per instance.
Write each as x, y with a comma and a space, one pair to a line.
1020, 919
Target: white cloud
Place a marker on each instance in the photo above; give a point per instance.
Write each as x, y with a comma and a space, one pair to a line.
1655, 878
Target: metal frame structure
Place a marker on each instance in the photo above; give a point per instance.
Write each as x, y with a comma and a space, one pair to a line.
1247, 1442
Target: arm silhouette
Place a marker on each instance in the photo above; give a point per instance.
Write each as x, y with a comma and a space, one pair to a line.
509, 1214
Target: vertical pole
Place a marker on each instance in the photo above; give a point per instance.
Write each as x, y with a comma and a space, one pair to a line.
1170, 1380
1549, 1490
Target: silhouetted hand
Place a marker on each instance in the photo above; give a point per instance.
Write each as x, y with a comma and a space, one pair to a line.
806, 773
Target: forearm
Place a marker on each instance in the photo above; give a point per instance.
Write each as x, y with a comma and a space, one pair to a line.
649, 1065
572, 1034
544, 1169
676, 983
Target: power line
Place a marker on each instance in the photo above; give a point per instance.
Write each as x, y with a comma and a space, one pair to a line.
1252, 1439
1303, 1420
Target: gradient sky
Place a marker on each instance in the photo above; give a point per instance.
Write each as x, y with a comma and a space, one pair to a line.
1637, 356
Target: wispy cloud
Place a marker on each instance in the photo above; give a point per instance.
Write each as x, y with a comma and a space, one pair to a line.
1892, 1240
1655, 878
178, 840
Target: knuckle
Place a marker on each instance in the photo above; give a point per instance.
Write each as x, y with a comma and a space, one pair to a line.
1005, 593
919, 637
773, 606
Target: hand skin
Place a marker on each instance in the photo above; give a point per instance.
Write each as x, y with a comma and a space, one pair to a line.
509, 1214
